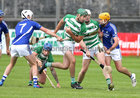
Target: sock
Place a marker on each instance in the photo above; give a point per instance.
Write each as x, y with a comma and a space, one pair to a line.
131, 76
108, 81
3, 78
30, 82
35, 80
72, 80
48, 64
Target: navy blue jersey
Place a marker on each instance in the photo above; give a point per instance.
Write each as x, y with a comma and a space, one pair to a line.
24, 30
109, 32
3, 28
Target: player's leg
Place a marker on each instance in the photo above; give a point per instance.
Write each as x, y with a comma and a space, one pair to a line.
55, 76
122, 69
84, 69
125, 71
101, 58
85, 64
116, 56
42, 78
30, 78
8, 69
108, 61
72, 62
32, 61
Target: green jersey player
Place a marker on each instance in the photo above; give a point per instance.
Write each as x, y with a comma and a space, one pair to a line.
43, 54
93, 46
75, 25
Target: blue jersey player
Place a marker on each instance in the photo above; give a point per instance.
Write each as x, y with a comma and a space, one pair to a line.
20, 44
111, 45
4, 28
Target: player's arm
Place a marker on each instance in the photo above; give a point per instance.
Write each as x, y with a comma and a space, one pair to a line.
100, 35
101, 38
116, 42
83, 45
74, 37
59, 25
39, 63
7, 43
49, 32
35, 54
55, 76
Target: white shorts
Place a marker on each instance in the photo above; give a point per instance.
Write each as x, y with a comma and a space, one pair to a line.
68, 46
115, 54
94, 50
20, 50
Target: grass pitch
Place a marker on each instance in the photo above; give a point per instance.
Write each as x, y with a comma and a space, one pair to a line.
94, 83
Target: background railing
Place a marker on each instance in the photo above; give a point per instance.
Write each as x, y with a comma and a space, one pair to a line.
125, 14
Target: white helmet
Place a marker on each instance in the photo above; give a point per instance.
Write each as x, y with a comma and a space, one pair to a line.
88, 11
26, 13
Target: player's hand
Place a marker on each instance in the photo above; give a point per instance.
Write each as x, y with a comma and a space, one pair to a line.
8, 52
87, 53
108, 51
105, 48
59, 39
67, 29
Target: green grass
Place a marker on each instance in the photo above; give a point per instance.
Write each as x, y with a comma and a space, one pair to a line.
94, 83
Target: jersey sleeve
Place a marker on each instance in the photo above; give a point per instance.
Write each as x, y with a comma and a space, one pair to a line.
37, 50
114, 31
5, 27
36, 25
83, 30
96, 24
50, 58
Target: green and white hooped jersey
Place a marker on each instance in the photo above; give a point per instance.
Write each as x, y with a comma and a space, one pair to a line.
91, 40
76, 27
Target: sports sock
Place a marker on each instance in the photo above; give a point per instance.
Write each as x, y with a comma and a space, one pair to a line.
30, 82
35, 80
3, 78
72, 80
131, 76
108, 81
48, 64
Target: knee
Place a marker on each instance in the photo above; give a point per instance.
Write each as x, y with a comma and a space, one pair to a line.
42, 81
73, 61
